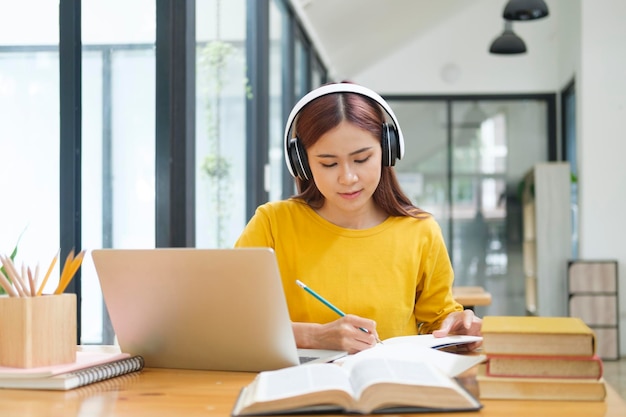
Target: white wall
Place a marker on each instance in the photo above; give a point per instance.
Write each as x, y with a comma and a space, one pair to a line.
601, 109
568, 35
581, 39
454, 57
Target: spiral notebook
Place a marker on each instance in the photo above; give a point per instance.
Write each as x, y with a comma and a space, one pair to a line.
70, 376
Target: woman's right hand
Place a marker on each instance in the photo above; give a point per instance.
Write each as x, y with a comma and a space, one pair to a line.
344, 334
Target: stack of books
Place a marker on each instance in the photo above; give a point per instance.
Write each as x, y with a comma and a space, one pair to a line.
540, 358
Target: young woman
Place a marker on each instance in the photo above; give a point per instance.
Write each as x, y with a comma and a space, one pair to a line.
351, 234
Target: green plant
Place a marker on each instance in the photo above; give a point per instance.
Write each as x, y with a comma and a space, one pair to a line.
216, 167
12, 257
219, 66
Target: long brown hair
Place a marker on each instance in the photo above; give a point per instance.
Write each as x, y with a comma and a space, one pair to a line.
325, 113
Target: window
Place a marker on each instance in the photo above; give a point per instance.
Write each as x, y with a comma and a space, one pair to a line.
118, 146
29, 132
279, 20
221, 95
464, 159
570, 154
118, 149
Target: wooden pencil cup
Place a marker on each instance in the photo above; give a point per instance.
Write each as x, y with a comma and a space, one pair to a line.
38, 331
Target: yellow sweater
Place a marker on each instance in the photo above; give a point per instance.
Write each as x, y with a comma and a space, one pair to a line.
397, 273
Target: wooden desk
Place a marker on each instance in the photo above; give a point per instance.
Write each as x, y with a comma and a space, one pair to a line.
167, 392
469, 297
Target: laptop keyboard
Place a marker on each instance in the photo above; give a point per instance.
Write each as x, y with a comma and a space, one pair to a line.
305, 359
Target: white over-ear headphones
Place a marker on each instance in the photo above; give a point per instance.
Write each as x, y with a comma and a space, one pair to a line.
392, 141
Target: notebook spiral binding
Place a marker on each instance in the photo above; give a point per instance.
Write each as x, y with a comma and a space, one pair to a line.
108, 370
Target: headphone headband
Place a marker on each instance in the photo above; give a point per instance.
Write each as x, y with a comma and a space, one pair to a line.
332, 89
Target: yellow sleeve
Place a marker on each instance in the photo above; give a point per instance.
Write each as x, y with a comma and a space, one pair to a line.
434, 300
258, 231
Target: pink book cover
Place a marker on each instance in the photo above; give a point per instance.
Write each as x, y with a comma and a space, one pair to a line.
84, 359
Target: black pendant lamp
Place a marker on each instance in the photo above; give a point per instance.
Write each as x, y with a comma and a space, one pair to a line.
508, 43
525, 10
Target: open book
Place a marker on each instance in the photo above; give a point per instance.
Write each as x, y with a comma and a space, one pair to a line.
428, 340
365, 386
390, 379
424, 348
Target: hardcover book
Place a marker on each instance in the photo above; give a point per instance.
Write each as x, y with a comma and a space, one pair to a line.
525, 366
370, 385
561, 389
533, 335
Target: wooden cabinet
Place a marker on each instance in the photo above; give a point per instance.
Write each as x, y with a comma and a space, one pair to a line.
592, 289
547, 237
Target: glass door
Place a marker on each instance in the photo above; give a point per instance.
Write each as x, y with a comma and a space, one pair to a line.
464, 162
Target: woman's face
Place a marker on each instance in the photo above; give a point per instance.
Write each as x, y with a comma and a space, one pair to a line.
346, 167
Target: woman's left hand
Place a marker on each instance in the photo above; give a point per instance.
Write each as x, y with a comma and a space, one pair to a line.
461, 322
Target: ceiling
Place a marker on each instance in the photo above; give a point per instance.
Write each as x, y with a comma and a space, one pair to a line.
353, 34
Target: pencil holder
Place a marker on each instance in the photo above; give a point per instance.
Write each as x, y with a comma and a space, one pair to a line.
37, 331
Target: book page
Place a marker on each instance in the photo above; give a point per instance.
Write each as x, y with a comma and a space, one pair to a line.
299, 380
367, 372
451, 364
428, 340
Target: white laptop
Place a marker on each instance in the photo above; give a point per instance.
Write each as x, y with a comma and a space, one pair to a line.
214, 309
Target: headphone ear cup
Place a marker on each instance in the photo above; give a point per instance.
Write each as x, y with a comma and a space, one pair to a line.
298, 160
390, 144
